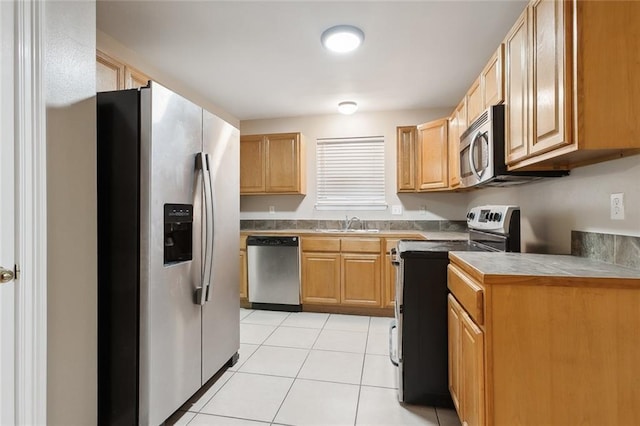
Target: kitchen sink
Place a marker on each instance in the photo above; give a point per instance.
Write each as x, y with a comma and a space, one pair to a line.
350, 231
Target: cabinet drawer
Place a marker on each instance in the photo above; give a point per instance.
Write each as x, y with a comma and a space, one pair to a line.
469, 293
361, 245
321, 244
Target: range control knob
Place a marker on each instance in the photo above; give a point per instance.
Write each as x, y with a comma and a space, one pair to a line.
471, 215
490, 216
498, 217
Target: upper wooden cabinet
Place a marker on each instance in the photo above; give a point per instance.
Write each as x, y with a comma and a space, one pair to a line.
572, 91
474, 100
272, 164
433, 161
112, 74
492, 80
406, 158
457, 126
487, 89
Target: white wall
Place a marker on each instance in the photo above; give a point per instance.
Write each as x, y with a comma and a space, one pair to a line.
69, 83
438, 206
551, 209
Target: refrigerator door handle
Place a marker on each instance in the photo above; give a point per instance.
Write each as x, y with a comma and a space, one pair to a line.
202, 164
210, 209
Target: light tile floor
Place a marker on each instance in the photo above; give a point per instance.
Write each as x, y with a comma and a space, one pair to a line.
308, 369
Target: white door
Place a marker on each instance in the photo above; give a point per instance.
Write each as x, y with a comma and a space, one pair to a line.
7, 216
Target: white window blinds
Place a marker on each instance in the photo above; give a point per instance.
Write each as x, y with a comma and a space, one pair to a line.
350, 173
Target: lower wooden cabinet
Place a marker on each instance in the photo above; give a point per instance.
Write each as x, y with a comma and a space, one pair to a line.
321, 278
341, 271
360, 279
466, 365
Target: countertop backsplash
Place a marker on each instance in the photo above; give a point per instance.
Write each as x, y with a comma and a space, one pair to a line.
382, 225
621, 250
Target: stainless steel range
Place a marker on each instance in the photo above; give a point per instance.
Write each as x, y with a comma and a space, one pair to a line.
418, 335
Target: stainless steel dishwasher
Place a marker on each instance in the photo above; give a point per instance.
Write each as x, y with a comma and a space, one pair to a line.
274, 272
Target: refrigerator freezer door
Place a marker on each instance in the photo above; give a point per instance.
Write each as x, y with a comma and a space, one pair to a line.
220, 321
170, 351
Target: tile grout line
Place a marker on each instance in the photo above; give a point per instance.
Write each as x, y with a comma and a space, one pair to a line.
364, 358
298, 373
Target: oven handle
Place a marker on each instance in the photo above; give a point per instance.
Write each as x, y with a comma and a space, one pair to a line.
392, 325
472, 164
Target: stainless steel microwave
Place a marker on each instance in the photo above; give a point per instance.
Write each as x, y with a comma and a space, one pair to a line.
482, 154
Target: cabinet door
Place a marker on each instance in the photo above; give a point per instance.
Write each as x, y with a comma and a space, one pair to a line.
389, 287
321, 278
283, 163
472, 372
492, 79
406, 158
244, 294
109, 73
455, 332
252, 164
474, 100
517, 90
549, 75
433, 160
361, 279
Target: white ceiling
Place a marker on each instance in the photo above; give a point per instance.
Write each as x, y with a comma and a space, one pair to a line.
263, 59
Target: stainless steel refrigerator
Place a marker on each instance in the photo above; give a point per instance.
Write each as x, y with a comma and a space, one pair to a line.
168, 244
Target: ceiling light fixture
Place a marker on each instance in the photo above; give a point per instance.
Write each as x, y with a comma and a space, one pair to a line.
342, 38
347, 107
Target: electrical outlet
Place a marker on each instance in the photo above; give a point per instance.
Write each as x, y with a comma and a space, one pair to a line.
272, 210
397, 209
617, 206
423, 210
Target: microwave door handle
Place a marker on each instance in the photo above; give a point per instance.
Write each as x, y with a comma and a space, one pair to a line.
472, 164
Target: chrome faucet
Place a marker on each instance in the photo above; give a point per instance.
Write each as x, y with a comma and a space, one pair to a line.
348, 222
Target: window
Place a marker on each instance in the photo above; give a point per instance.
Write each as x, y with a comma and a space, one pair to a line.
350, 174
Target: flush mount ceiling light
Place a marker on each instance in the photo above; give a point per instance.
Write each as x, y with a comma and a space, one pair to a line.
347, 107
342, 38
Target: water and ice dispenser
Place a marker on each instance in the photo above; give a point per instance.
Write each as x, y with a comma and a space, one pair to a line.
178, 233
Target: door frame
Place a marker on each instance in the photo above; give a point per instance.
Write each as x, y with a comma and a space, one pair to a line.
30, 162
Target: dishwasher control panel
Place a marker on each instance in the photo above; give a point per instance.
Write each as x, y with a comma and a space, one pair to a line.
267, 240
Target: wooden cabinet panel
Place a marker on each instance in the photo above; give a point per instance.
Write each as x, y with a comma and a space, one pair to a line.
549, 75
321, 278
283, 163
252, 164
472, 372
406, 158
109, 73
244, 293
517, 90
244, 288
492, 79
331, 244
432, 148
455, 332
474, 101
361, 245
389, 284
360, 279
272, 164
